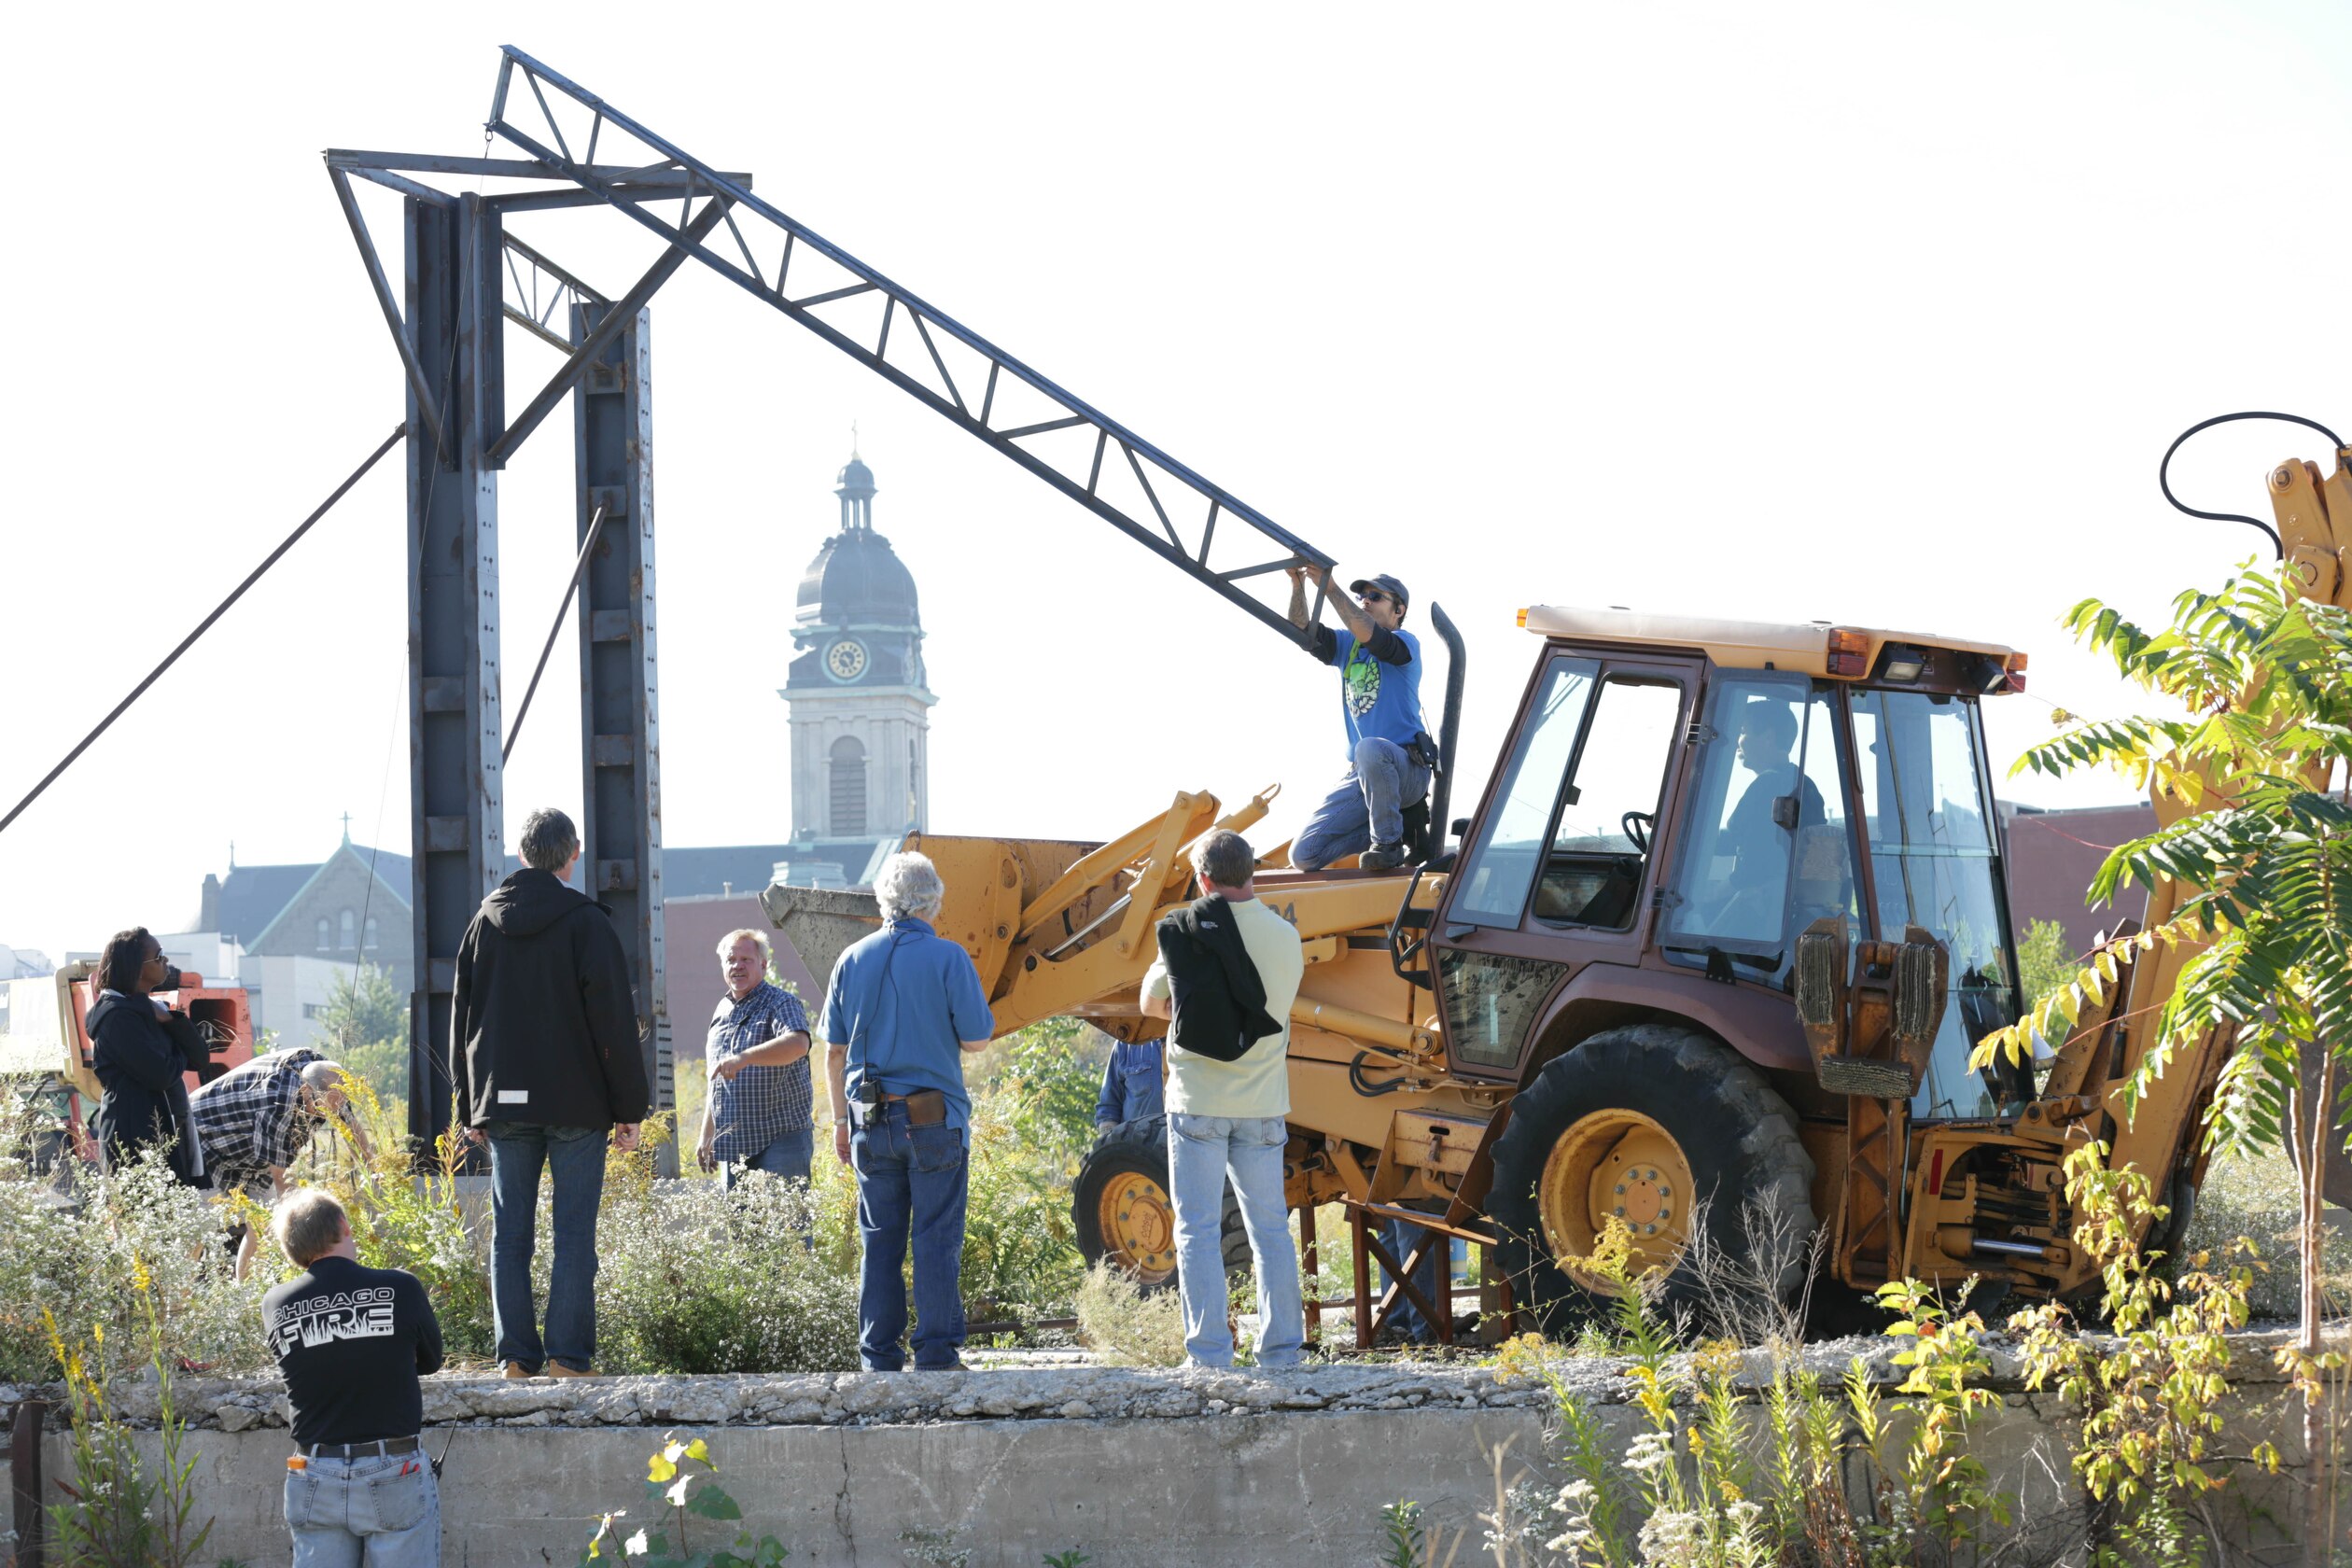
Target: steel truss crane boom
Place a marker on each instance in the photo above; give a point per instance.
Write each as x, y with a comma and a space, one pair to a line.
977, 404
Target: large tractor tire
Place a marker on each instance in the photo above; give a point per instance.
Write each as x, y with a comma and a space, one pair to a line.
1645, 1122
1122, 1210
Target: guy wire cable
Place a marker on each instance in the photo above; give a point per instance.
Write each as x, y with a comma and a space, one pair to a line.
204, 625
579, 568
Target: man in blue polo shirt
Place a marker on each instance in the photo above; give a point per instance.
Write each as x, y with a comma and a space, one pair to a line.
902, 1008
1389, 755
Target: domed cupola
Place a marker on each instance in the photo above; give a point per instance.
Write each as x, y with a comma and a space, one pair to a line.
856, 576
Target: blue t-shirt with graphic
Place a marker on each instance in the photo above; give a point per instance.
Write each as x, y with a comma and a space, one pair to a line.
1377, 700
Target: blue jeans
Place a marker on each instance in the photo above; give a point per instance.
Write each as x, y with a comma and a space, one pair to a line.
1200, 1151
911, 1188
574, 1158
1434, 1276
789, 1157
380, 1509
1368, 807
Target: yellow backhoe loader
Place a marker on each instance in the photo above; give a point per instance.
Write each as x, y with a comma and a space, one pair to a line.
1720, 936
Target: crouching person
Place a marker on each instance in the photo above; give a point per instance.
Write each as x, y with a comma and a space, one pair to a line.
352, 1342
1226, 975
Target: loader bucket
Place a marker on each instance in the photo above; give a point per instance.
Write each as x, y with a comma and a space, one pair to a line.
820, 923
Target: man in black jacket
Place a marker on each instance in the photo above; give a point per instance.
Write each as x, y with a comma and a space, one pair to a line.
351, 1342
545, 1058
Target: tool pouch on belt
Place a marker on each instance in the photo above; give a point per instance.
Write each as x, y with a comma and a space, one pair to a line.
926, 1108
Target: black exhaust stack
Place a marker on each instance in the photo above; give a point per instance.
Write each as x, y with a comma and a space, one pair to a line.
1448, 730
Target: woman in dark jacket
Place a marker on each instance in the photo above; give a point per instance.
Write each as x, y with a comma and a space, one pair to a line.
138, 1062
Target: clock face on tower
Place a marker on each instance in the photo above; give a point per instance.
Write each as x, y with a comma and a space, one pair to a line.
845, 660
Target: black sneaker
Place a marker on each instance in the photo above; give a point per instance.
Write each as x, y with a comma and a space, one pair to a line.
1381, 857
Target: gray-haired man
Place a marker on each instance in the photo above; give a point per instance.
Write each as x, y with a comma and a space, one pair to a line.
256, 1119
544, 1049
899, 1006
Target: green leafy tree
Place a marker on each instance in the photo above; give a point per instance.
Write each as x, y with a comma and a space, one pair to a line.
2262, 751
2045, 959
362, 1008
1049, 1074
365, 1026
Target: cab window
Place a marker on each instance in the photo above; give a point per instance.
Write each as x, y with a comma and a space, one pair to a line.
1767, 849
1935, 862
1608, 814
1576, 811
1501, 866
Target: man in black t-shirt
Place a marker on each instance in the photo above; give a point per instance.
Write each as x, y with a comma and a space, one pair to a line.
351, 1343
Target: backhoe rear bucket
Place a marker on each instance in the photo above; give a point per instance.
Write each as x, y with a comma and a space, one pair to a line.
820, 923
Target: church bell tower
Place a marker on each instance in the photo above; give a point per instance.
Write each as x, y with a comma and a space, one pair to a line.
858, 703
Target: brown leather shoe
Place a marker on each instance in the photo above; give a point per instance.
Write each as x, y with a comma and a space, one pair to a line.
515, 1372
557, 1369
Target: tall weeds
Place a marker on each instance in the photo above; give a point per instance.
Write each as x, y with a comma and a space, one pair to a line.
121, 1511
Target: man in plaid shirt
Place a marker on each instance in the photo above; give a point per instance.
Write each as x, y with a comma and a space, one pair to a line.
256, 1119
760, 1113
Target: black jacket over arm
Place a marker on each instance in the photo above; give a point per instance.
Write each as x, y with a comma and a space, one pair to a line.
544, 1027
139, 1066
1216, 1001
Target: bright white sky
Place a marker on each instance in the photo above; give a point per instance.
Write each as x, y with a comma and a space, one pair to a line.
1866, 312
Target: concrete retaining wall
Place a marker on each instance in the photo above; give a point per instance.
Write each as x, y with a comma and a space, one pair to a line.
1135, 1468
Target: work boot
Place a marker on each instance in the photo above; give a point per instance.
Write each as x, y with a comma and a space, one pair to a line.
515, 1372
1381, 857
557, 1369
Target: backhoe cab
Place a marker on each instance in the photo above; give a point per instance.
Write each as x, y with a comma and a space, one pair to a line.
1729, 922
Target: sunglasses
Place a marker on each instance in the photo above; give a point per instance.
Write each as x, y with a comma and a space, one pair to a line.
1373, 596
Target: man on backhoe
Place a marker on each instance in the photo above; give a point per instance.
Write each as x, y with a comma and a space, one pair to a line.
1388, 754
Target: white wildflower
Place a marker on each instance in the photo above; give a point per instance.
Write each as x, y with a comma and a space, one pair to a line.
1649, 1452
1575, 1497
1671, 1537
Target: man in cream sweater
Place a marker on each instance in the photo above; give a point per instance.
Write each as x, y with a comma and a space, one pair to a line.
1227, 1098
